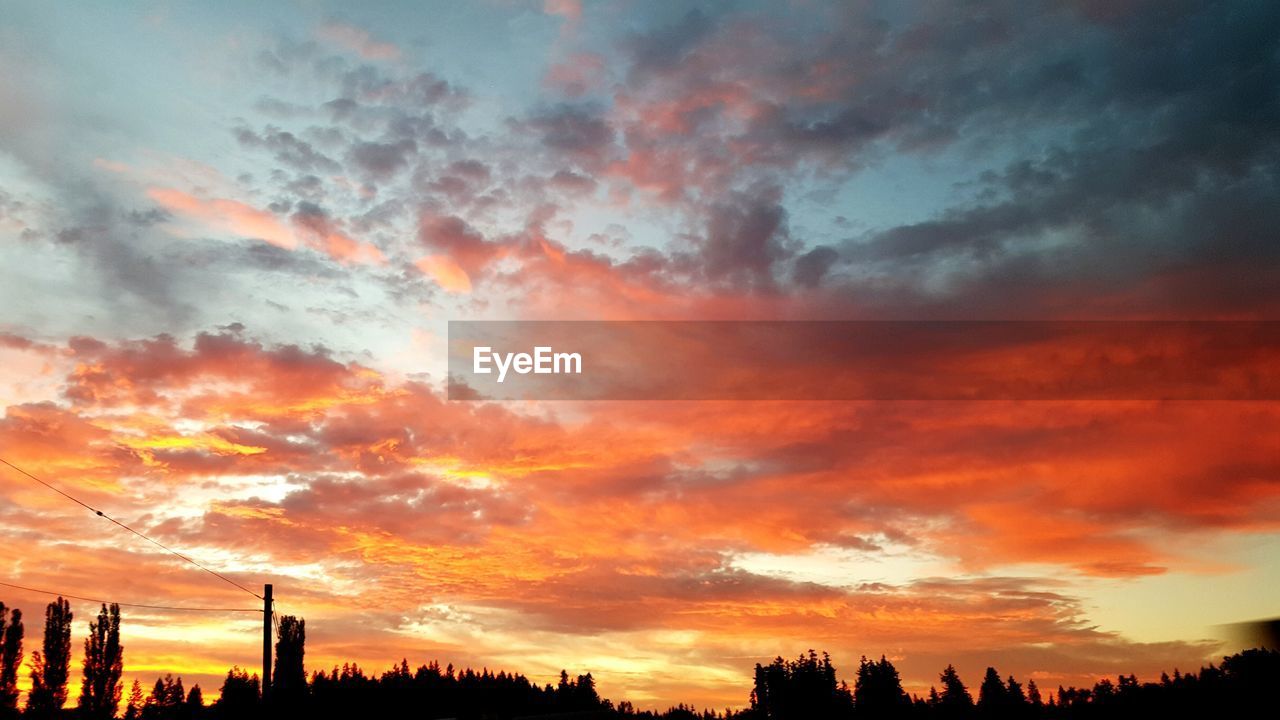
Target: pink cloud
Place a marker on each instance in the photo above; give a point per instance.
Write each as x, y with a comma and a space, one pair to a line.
358, 40
231, 215
570, 10
577, 75
313, 230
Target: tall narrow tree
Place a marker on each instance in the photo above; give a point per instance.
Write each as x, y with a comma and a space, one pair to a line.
10, 660
289, 681
103, 665
51, 669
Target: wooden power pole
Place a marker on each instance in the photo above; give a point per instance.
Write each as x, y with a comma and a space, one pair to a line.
267, 613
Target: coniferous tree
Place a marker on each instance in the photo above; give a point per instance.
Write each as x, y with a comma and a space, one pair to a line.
195, 700
1033, 694
239, 696
877, 692
10, 660
991, 694
133, 710
51, 669
103, 664
585, 696
802, 688
168, 700
954, 700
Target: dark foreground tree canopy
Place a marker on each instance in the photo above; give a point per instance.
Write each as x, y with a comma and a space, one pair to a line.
807, 688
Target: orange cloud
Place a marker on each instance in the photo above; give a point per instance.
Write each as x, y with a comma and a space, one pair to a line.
313, 230
230, 215
623, 527
447, 273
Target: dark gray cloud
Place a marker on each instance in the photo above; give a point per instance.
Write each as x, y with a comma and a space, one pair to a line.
665, 48
121, 259
1143, 143
1170, 175
812, 266
745, 237
383, 160
580, 132
288, 149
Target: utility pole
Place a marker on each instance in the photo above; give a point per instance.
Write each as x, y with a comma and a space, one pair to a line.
266, 640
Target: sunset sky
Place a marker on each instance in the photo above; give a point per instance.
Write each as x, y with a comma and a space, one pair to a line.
232, 236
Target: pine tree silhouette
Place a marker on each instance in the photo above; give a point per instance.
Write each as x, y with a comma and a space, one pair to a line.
955, 700
239, 696
133, 710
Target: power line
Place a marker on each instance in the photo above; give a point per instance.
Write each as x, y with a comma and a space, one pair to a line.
157, 543
136, 605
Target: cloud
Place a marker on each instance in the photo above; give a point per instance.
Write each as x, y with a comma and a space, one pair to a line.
323, 232
1009, 160
288, 149
578, 132
467, 253
309, 225
712, 105
357, 40
577, 75
230, 215
811, 267
745, 238
347, 485
569, 9
383, 160
447, 273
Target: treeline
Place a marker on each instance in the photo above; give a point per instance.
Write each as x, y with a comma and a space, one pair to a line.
806, 688
1244, 684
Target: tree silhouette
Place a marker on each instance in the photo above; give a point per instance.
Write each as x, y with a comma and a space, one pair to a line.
1033, 694
103, 665
10, 660
992, 695
239, 696
877, 692
133, 710
51, 669
1015, 700
802, 688
289, 680
167, 701
954, 700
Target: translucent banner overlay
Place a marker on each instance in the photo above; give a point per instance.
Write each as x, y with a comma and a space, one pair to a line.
864, 360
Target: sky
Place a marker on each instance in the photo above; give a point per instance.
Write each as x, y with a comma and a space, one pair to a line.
232, 236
